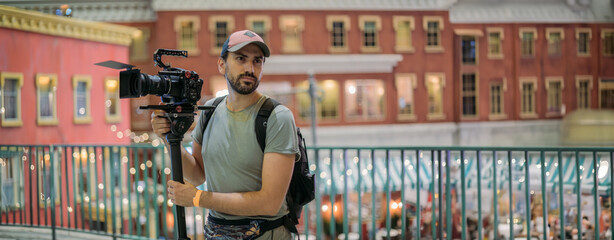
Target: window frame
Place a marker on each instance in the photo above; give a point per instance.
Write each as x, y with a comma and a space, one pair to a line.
87, 118
399, 47
588, 42
559, 48
579, 80
475, 94
605, 32
286, 46
475, 48
439, 115
139, 47
521, 32
18, 121
413, 83
108, 94
362, 118
533, 103
433, 48
330, 20
53, 81
604, 85
230, 26
195, 20
266, 19
502, 114
549, 92
362, 20
500, 31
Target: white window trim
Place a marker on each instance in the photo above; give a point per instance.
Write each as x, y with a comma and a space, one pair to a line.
177, 25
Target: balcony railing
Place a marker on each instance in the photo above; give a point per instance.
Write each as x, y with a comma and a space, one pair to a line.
384, 192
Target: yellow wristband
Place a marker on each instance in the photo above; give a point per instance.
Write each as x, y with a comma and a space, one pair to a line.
196, 199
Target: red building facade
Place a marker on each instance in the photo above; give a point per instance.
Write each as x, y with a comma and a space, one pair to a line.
52, 93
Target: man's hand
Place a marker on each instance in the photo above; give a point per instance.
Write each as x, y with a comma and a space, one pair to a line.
181, 194
160, 124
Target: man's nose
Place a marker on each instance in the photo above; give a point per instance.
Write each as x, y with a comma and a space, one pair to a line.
249, 67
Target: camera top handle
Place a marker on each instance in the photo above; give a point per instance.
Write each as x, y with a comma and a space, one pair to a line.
157, 57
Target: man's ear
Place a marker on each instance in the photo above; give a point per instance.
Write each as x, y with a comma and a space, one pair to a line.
221, 66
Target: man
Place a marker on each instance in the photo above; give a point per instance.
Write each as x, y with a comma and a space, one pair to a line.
246, 188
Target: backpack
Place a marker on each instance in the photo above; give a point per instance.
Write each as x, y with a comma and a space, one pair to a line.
302, 186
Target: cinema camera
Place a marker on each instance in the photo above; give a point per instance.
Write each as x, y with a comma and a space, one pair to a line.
180, 91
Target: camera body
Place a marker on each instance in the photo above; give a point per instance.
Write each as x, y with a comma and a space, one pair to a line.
174, 85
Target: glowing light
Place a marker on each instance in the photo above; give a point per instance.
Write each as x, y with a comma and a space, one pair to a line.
125, 201
139, 188
113, 128
148, 163
323, 175
100, 186
365, 172
369, 167
356, 160
132, 171
101, 206
69, 209
394, 205
349, 172
169, 203
86, 198
167, 171
160, 199
312, 167
324, 208
120, 135
352, 89
142, 166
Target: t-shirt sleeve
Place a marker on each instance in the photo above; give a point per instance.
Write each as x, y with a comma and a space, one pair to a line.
281, 132
197, 133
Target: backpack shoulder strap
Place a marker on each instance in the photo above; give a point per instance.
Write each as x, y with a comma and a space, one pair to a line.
209, 112
261, 120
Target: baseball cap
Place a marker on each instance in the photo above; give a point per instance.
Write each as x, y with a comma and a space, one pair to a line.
240, 39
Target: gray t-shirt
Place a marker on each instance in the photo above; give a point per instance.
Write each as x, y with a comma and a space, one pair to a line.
230, 150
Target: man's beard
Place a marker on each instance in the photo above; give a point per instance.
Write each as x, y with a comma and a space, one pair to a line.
243, 89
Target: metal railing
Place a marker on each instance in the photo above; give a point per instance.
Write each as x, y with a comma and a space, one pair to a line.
375, 193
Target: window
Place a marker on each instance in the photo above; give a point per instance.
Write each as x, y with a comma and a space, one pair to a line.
364, 99
10, 99
497, 88
291, 27
187, 28
403, 26
220, 27
606, 91
338, 26
527, 38
433, 26
406, 85
435, 83
112, 108
260, 24
328, 106
468, 47
583, 38
11, 177
528, 86
138, 48
469, 94
280, 91
554, 88
46, 85
48, 172
495, 38
81, 98
555, 37
584, 86
370, 27
607, 36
